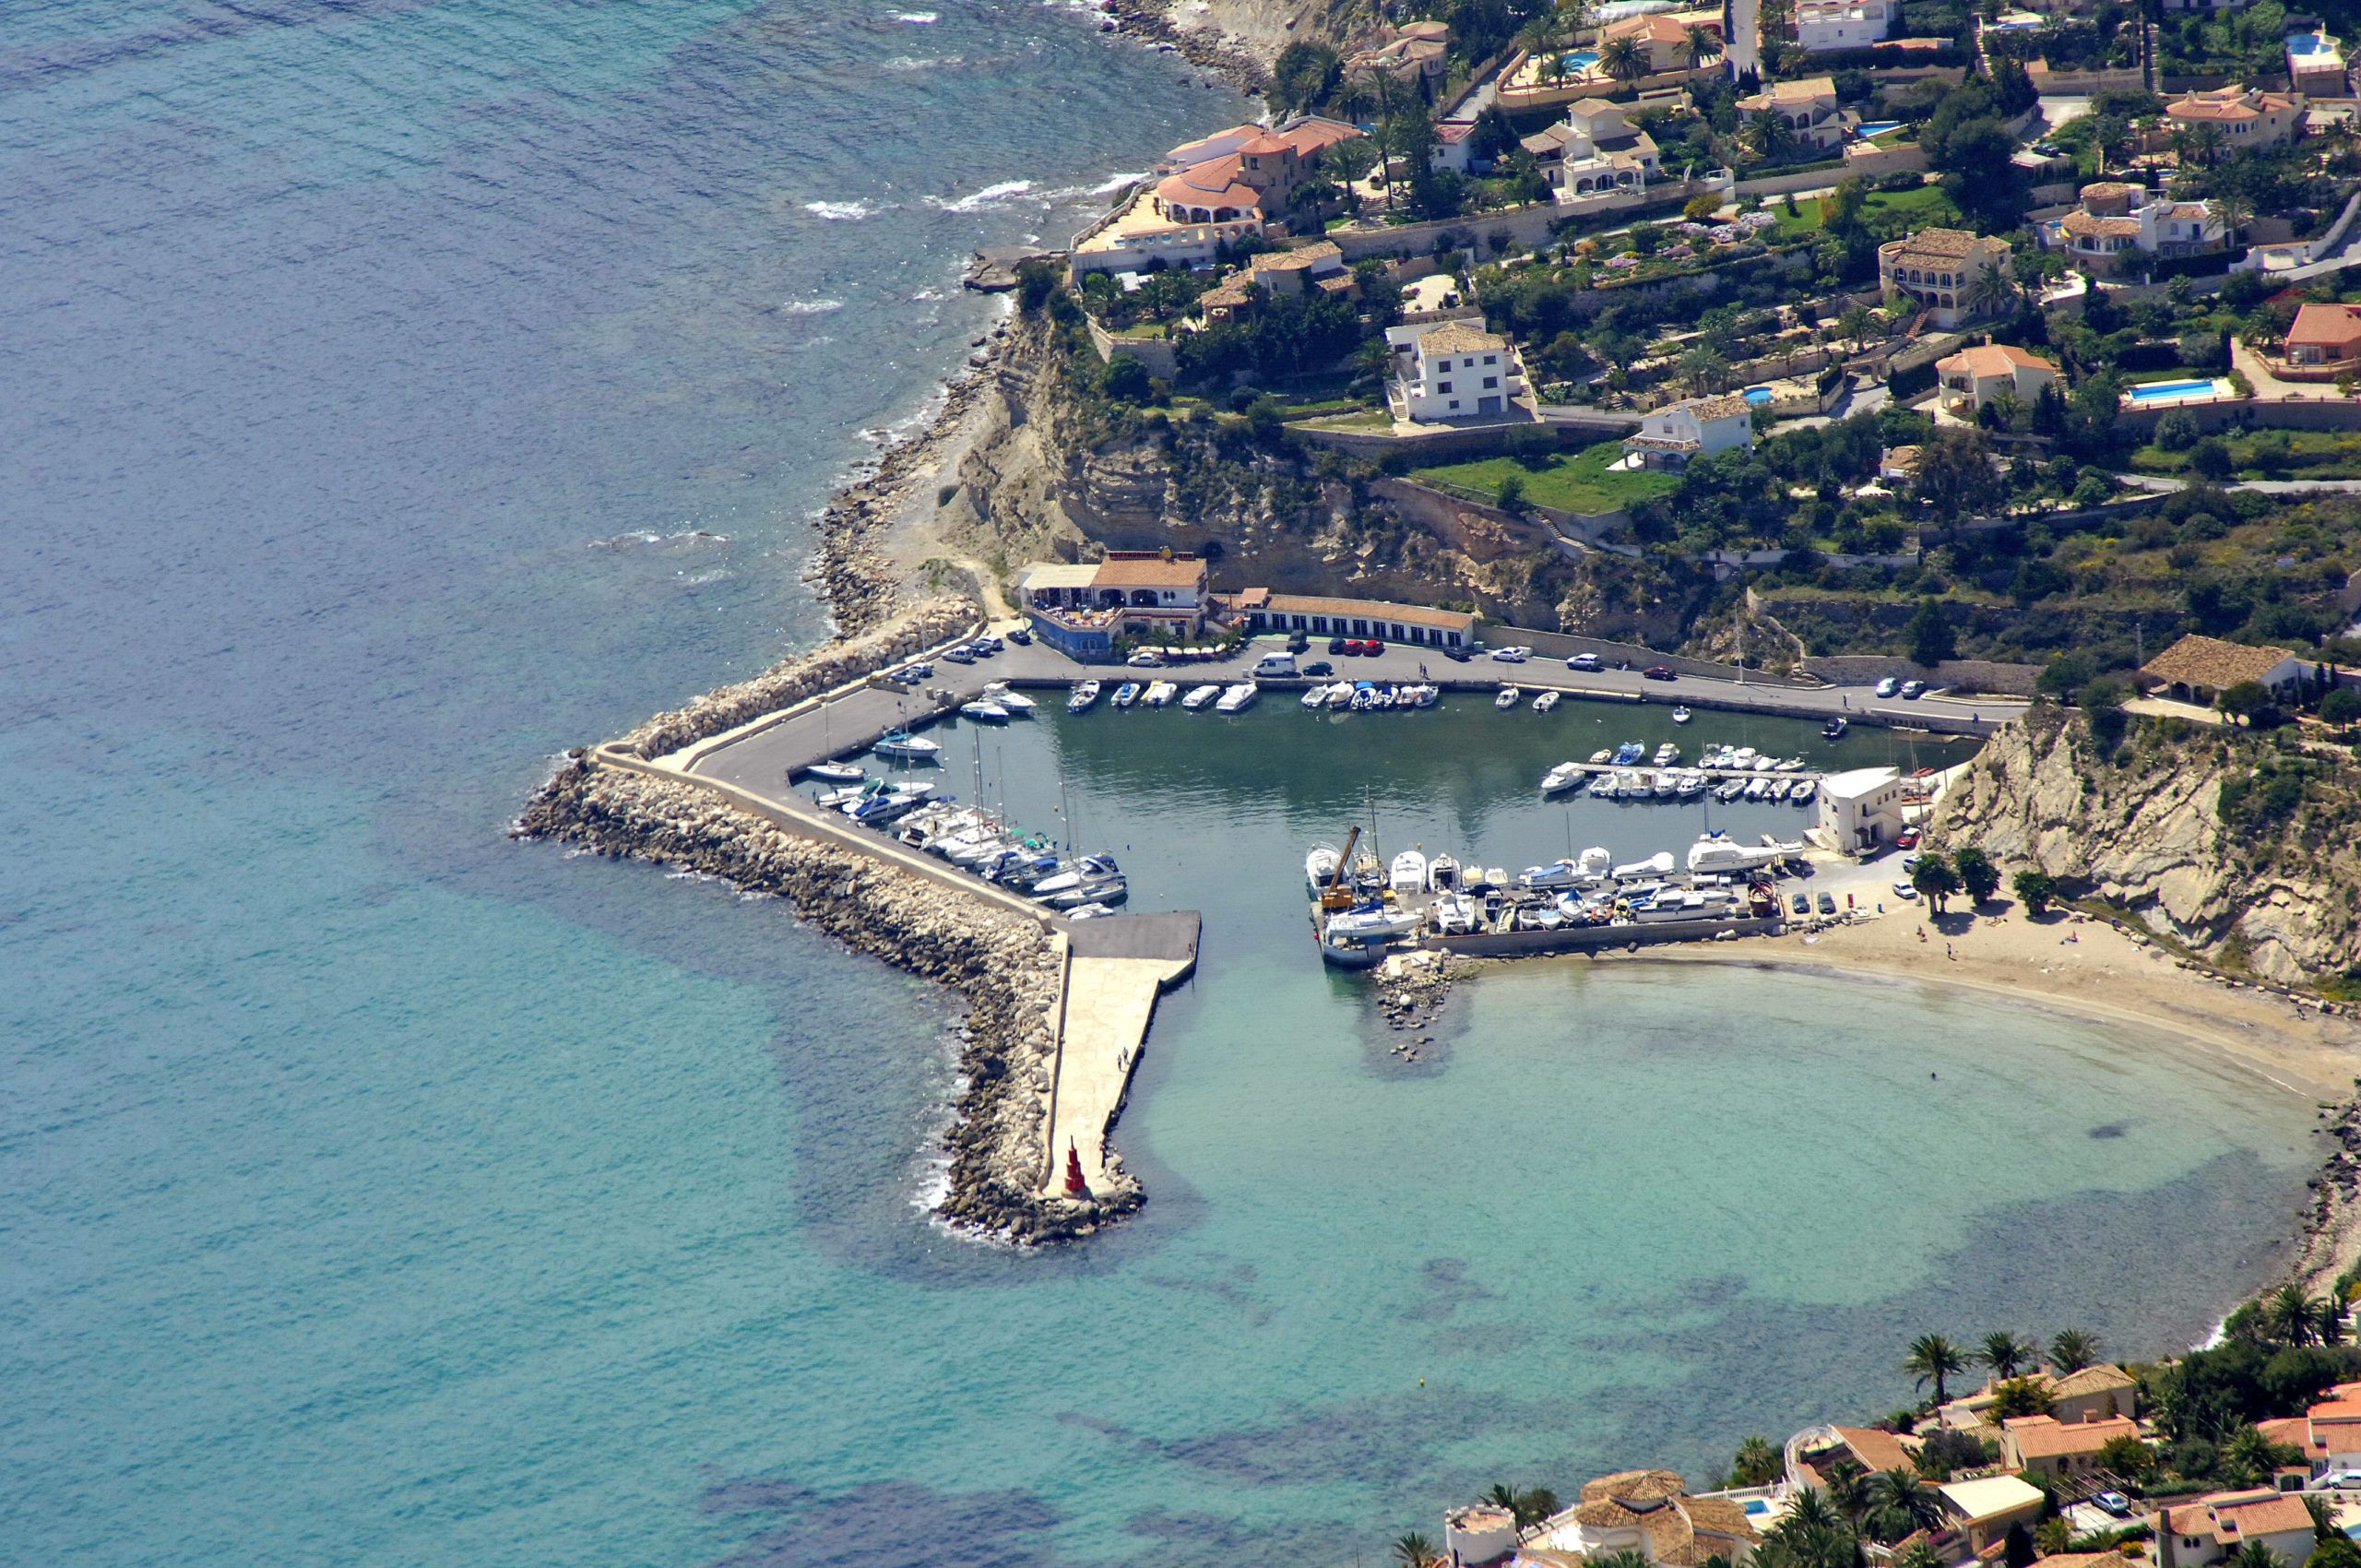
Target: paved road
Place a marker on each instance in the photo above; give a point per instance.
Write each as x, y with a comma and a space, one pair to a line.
762, 762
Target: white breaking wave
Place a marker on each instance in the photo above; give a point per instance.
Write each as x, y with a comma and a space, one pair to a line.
983, 198
916, 19
809, 307
913, 63
839, 211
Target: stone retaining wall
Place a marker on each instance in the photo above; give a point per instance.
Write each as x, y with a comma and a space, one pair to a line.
1008, 968
1961, 675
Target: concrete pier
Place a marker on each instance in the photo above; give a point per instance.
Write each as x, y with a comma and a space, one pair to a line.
1115, 970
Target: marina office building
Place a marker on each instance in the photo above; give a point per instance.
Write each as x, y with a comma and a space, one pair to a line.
1081, 608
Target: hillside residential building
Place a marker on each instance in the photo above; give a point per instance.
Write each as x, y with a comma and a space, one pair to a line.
1943, 269
1875, 1450
1315, 616
1825, 25
1454, 370
1594, 148
2098, 1393
1676, 434
2244, 119
2200, 669
2329, 1432
1455, 146
1214, 192
1651, 1513
1411, 53
1664, 36
1861, 809
1080, 608
2212, 1529
2044, 1446
2325, 334
1972, 377
1983, 1510
2119, 227
1809, 105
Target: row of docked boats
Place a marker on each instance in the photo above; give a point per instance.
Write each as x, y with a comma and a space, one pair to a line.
1369, 697
1236, 697
997, 704
1671, 783
975, 839
1513, 697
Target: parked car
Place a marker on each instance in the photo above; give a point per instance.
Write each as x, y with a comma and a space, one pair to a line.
1298, 642
1903, 890
2114, 1502
1145, 659
919, 671
1457, 655
1910, 862
989, 643
958, 655
1888, 686
1800, 903
1906, 840
1320, 667
1020, 637
1912, 690
1511, 655
1658, 672
1582, 661
1337, 645
1828, 903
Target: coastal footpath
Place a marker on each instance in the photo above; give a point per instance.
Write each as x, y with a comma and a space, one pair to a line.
1009, 968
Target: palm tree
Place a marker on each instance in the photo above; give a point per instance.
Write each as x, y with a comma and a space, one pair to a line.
1920, 1553
2235, 209
2054, 1535
1811, 1510
1756, 1463
1854, 325
1549, 42
1624, 59
1771, 134
2251, 1455
2257, 1555
1904, 1505
1990, 292
1698, 45
2073, 1349
2290, 1315
1414, 1551
2005, 1354
1935, 1359
1848, 1491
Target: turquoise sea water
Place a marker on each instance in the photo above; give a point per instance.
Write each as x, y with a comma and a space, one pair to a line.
373, 1190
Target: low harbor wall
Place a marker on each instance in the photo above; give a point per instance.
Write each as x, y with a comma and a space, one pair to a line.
1595, 938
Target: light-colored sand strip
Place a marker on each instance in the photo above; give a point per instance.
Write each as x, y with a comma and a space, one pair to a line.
1108, 1005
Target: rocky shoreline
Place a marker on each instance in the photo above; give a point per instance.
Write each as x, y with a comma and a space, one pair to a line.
1151, 22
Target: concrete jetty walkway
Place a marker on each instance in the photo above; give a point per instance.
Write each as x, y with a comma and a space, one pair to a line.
1115, 970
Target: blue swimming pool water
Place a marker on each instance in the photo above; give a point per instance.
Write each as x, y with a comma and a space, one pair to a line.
2157, 391
1757, 394
2306, 44
1582, 59
1880, 127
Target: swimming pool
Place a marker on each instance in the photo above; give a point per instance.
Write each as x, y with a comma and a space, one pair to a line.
2166, 391
1582, 60
1758, 396
1878, 128
2306, 44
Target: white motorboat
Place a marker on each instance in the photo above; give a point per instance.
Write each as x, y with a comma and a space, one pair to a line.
1693, 785
1495, 877
1545, 702
1409, 874
1315, 697
1557, 874
1237, 699
1658, 865
1743, 757
1073, 873
1341, 695
1667, 754
1424, 696
1442, 874
1320, 865
1540, 917
1789, 765
1200, 698
1565, 775
984, 712
1510, 697
1095, 890
1085, 694
1454, 914
1159, 692
838, 773
1599, 758
1718, 852
1018, 704
1665, 785
1089, 912
1681, 716
1371, 922
1730, 791
903, 746
1127, 693
1756, 786
1602, 785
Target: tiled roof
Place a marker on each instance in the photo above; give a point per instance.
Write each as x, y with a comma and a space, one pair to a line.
1301, 256
1635, 1486
2209, 662
1214, 183
2089, 225
2103, 190
2101, 1378
1989, 359
2235, 1517
1721, 407
2332, 326
1876, 1450
1942, 245
1148, 571
2047, 1437
1459, 338
1370, 609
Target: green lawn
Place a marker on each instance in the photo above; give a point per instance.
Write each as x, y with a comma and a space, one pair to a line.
1372, 418
1577, 482
2311, 454
1927, 206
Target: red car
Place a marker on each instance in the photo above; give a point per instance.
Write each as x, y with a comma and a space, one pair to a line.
1657, 672
1906, 840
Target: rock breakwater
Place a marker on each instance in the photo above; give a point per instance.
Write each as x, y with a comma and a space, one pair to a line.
1008, 969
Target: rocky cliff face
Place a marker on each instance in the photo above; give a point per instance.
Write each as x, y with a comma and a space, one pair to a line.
2143, 827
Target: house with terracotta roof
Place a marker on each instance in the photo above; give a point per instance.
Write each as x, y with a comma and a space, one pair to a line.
2244, 119
1213, 192
1820, 26
2119, 226
1413, 53
2325, 337
1825, 1449
1809, 105
1651, 1512
1594, 148
1943, 270
1677, 434
2200, 669
2044, 1446
1454, 370
1972, 377
1080, 608
2091, 1394
1663, 36
2329, 1433
2193, 1534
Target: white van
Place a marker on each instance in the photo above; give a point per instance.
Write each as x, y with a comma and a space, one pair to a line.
1275, 664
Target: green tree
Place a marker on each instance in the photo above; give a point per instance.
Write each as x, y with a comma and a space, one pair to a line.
1955, 476
1931, 638
1979, 875
2017, 1549
2035, 890
1920, 1554
2020, 1397
1935, 1359
2071, 1349
1901, 1506
2126, 1457
1756, 1463
1625, 59
1934, 879
2053, 1535
2336, 1552
2291, 1315
1414, 1551
1509, 496
1698, 45
1126, 380
1771, 137
2005, 1354
2255, 1554
2248, 700
2341, 707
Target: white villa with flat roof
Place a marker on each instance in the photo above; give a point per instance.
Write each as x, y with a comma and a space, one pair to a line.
1825, 25
1860, 809
1454, 370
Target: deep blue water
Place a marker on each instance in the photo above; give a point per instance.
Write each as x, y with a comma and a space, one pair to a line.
394, 393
